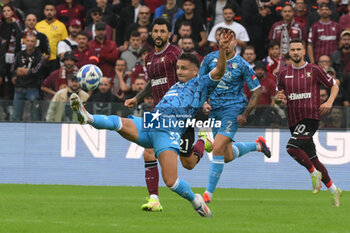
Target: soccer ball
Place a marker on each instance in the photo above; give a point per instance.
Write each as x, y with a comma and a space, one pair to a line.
89, 77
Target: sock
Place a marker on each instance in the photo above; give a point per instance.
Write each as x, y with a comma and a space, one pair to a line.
152, 177
331, 186
301, 157
242, 148
182, 188
154, 196
320, 167
313, 171
198, 148
112, 122
215, 171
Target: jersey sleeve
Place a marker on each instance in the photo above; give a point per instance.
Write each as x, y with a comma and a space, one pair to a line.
204, 85
250, 78
279, 85
204, 69
324, 78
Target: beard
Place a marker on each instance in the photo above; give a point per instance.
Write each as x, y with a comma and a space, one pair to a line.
346, 46
296, 60
160, 45
49, 17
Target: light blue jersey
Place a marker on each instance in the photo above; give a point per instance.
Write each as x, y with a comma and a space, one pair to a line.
183, 100
229, 91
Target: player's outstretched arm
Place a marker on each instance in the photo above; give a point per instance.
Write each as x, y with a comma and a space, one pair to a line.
130, 103
326, 107
225, 39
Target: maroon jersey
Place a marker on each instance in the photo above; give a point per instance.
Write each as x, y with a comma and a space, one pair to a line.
301, 85
324, 38
161, 70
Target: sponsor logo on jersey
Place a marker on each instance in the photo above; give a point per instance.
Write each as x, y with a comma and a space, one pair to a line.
234, 65
327, 38
289, 76
295, 96
160, 81
149, 63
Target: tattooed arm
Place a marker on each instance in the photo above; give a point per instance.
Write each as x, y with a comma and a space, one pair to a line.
254, 100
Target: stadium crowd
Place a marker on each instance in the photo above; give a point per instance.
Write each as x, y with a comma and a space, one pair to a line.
44, 43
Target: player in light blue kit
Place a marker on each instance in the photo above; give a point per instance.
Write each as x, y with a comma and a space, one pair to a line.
229, 104
183, 99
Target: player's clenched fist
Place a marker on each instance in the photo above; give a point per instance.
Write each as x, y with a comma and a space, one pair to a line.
130, 103
279, 97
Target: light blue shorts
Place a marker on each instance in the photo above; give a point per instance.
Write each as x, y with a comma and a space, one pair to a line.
158, 139
228, 117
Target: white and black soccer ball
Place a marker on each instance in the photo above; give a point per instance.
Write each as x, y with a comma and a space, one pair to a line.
89, 77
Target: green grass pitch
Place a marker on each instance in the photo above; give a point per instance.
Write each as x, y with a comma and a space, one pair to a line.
98, 209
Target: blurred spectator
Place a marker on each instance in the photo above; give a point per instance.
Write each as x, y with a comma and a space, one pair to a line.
42, 41
249, 55
200, 11
70, 10
198, 34
344, 20
128, 16
70, 43
122, 81
169, 11
287, 60
341, 57
153, 4
105, 50
19, 15
187, 45
27, 74
138, 86
313, 8
55, 32
108, 16
274, 116
102, 101
83, 54
59, 108
144, 21
31, 7
96, 15
336, 118
215, 13
140, 69
57, 80
286, 29
323, 94
185, 30
214, 46
258, 20
146, 40
300, 12
2, 64
241, 33
9, 29
324, 35
324, 61
274, 60
132, 54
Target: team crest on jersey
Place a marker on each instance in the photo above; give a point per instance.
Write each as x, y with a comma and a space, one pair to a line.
333, 28
234, 65
215, 60
308, 74
162, 59
54, 27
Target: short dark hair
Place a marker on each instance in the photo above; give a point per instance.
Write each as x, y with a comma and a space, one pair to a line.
324, 5
49, 3
297, 40
134, 34
229, 6
192, 1
161, 21
185, 23
83, 33
145, 49
251, 47
273, 43
190, 57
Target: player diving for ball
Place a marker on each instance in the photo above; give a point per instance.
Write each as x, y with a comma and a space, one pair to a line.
180, 103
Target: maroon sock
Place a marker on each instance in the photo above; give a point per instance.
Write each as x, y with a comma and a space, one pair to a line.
301, 157
320, 167
198, 149
152, 177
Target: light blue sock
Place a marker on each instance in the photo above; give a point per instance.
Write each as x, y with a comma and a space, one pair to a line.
215, 171
242, 148
112, 122
182, 188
